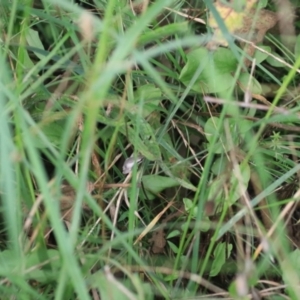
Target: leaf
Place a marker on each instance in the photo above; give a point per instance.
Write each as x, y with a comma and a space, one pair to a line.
261, 56
53, 131
275, 62
219, 165
150, 141
156, 183
173, 247
216, 192
215, 73
244, 127
173, 234
211, 127
233, 19
220, 258
254, 86
222, 145
147, 92
180, 167
27, 62
101, 282
163, 31
262, 4
189, 207
151, 97
291, 261
205, 224
237, 130
216, 189
32, 259
145, 142
7, 261
33, 40
183, 182
225, 60
238, 188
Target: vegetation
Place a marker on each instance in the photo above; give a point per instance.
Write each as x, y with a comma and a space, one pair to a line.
149, 149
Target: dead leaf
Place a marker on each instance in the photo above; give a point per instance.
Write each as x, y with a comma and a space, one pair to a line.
234, 21
248, 24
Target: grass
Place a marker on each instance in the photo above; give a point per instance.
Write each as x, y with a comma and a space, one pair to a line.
210, 211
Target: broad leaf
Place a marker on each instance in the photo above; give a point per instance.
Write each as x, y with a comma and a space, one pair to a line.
211, 130
246, 81
33, 40
220, 258
237, 188
150, 96
215, 73
261, 56
157, 183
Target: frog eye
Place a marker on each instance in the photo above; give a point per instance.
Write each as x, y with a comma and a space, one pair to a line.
130, 162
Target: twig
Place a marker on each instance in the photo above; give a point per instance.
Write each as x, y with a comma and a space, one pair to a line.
198, 20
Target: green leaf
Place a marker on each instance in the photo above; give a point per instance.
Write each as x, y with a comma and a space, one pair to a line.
140, 145
254, 86
32, 259
164, 31
171, 277
144, 142
216, 189
215, 73
173, 247
261, 56
100, 281
291, 265
7, 261
210, 129
189, 207
220, 258
237, 188
147, 92
274, 62
173, 234
237, 130
27, 62
225, 60
33, 40
244, 127
183, 182
219, 165
262, 4
53, 131
151, 97
156, 183
205, 224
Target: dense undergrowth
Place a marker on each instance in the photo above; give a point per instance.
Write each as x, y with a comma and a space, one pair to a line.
149, 150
